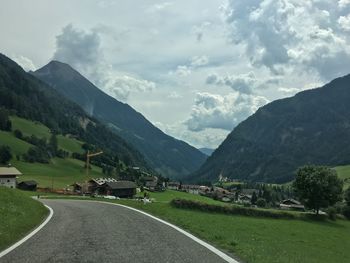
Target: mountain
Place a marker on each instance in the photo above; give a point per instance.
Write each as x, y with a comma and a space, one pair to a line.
313, 127
169, 156
30, 98
207, 151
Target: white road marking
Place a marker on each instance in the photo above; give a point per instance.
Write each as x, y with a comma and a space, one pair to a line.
196, 239
36, 230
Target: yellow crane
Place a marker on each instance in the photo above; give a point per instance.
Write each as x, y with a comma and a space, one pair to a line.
88, 156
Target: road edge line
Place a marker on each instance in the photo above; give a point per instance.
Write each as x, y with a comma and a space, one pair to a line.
31, 234
194, 238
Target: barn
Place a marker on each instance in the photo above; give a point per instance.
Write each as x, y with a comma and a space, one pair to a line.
8, 176
119, 188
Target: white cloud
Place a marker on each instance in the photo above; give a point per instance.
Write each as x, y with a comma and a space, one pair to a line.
222, 112
174, 95
343, 3
280, 34
26, 63
344, 22
183, 71
198, 61
82, 50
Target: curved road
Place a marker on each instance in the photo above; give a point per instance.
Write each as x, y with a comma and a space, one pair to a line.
82, 231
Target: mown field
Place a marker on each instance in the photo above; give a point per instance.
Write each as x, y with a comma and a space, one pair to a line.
59, 173
255, 239
19, 214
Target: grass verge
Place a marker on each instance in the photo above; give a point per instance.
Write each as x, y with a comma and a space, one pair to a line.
257, 239
19, 214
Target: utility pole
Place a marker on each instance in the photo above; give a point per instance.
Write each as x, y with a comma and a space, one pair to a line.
88, 156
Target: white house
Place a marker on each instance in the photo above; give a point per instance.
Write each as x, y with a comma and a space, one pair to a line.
8, 176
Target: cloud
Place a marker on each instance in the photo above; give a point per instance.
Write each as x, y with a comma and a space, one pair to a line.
26, 63
183, 71
343, 3
344, 22
243, 83
209, 137
199, 61
83, 51
222, 112
198, 31
174, 95
303, 35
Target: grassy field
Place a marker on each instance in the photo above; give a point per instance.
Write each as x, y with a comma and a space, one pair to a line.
19, 214
255, 239
344, 173
63, 172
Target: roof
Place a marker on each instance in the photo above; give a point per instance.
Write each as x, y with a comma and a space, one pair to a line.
101, 181
121, 185
30, 182
9, 171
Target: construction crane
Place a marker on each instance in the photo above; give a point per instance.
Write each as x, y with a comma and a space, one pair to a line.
88, 156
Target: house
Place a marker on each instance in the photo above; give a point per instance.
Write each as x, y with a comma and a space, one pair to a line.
95, 183
118, 189
28, 185
150, 182
173, 185
204, 190
292, 204
8, 176
244, 199
189, 188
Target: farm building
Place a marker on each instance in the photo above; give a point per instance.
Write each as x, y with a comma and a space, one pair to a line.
119, 188
292, 204
173, 185
8, 176
28, 185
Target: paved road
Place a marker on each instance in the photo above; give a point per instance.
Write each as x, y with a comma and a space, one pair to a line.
81, 231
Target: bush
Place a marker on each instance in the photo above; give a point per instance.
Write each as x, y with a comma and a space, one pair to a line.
261, 202
346, 212
18, 134
233, 210
332, 213
5, 154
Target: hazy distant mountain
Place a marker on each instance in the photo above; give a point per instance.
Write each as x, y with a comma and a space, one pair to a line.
165, 154
313, 127
206, 151
30, 98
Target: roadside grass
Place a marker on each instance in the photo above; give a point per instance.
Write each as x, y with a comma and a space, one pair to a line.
19, 214
344, 173
63, 172
253, 239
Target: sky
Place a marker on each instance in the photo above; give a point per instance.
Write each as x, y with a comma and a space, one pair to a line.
194, 68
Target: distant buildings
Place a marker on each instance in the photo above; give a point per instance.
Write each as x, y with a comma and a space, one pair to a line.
292, 204
8, 176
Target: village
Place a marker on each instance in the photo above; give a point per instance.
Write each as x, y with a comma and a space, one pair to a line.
142, 188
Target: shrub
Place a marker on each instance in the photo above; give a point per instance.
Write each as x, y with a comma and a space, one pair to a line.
18, 134
233, 210
346, 212
332, 213
261, 202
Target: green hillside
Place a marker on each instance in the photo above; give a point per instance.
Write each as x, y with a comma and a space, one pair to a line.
344, 173
59, 172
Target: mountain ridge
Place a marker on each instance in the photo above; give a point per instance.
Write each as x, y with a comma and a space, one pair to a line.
312, 127
164, 153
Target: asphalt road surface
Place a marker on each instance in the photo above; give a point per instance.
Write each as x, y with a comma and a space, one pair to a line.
81, 231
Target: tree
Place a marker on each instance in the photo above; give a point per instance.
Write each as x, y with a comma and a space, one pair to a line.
347, 196
261, 202
318, 187
5, 154
5, 123
53, 145
254, 199
18, 134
